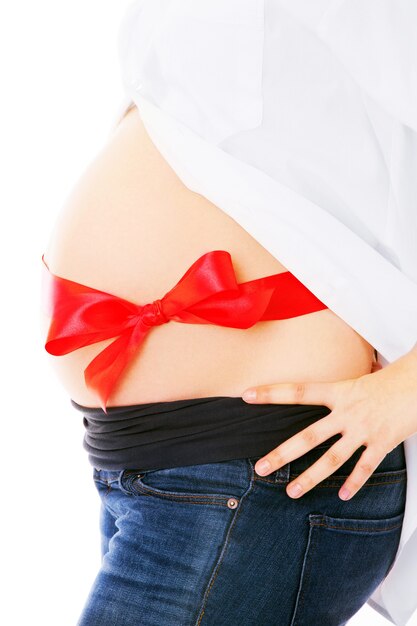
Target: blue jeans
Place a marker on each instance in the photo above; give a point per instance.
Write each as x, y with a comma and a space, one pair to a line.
217, 545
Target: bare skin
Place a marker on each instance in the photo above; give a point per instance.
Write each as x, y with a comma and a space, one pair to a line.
132, 228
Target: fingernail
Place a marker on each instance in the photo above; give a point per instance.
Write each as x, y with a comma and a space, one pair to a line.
250, 394
295, 490
344, 493
262, 467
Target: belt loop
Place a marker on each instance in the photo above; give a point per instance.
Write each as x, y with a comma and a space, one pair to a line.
282, 475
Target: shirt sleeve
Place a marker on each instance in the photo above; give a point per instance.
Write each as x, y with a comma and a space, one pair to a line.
376, 42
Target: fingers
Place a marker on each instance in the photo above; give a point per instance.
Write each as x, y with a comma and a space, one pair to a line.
329, 462
326, 465
349, 417
366, 465
298, 444
323, 393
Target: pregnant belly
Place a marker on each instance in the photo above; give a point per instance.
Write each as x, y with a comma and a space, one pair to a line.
131, 227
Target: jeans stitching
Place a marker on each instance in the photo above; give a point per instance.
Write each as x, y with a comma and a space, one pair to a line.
226, 543
190, 498
376, 530
305, 573
370, 484
336, 482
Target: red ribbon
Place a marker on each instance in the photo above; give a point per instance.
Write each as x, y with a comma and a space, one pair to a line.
206, 294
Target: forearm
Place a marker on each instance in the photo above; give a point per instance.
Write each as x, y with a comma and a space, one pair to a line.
413, 350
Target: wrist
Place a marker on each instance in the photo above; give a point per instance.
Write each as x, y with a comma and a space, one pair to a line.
411, 359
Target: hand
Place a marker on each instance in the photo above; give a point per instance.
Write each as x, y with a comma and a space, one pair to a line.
377, 410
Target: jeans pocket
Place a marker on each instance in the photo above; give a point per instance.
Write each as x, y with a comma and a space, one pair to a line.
220, 483
345, 559
201, 62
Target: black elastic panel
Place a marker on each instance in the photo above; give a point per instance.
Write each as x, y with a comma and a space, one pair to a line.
159, 435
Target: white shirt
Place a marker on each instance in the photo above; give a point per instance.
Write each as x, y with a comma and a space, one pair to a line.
298, 118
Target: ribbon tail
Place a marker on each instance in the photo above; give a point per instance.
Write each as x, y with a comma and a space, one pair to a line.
104, 371
80, 315
60, 345
292, 299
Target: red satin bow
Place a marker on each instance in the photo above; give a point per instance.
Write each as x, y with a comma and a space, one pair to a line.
206, 294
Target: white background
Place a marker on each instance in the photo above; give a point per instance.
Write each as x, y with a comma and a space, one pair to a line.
61, 94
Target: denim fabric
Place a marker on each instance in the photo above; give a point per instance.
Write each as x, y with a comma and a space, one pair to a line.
217, 545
